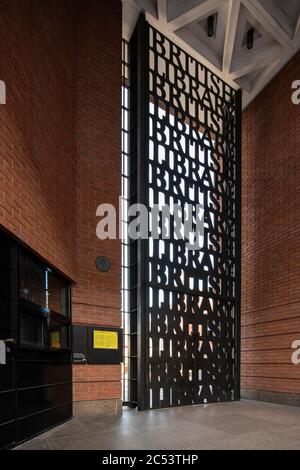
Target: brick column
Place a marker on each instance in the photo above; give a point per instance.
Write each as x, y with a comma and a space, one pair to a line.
97, 297
270, 240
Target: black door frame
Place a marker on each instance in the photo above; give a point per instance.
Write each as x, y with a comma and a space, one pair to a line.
41, 376
8, 329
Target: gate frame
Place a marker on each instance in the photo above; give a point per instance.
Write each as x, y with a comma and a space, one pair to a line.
139, 117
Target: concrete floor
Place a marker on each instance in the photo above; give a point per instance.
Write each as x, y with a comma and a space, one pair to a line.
238, 425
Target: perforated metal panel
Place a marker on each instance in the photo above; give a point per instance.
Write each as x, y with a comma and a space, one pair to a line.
185, 150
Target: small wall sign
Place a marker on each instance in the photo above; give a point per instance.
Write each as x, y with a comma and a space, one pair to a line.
105, 345
105, 339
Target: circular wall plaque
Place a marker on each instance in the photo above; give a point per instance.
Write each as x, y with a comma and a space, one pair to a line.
102, 264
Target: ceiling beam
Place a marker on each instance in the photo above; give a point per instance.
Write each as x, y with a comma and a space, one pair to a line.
200, 47
231, 28
297, 29
264, 78
162, 10
245, 84
192, 52
148, 5
131, 11
268, 22
262, 58
193, 14
249, 85
236, 69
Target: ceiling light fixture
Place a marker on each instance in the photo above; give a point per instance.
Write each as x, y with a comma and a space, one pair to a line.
250, 38
210, 26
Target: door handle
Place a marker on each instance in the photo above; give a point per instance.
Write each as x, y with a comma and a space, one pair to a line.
9, 341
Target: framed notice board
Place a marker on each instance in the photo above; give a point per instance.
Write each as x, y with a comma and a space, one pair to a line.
105, 345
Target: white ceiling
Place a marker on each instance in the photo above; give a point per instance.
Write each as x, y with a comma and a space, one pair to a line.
276, 39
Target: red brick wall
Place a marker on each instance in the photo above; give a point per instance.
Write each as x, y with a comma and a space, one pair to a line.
38, 127
60, 150
97, 295
271, 237
93, 382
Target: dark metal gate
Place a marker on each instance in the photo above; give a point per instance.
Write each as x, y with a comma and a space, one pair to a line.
185, 126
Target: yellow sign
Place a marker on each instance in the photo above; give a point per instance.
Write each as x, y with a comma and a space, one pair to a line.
55, 339
105, 339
